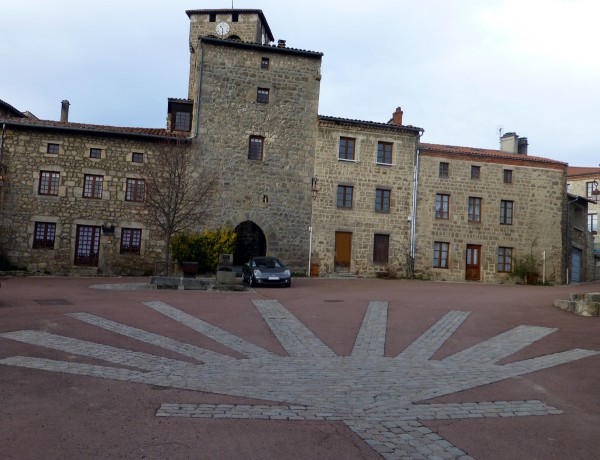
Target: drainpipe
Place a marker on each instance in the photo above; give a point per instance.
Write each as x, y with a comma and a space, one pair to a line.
198, 93
413, 216
2, 143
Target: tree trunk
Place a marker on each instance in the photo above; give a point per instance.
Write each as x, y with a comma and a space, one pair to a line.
167, 254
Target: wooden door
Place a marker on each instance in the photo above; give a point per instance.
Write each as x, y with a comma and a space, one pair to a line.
343, 249
473, 271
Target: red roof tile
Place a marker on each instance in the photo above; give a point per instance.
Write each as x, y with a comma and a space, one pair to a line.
495, 156
573, 171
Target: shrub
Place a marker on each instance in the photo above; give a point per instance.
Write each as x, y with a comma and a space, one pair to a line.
204, 247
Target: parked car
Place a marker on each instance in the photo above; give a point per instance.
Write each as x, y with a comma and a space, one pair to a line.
266, 270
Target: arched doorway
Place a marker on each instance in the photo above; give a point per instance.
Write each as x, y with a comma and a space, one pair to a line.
251, 242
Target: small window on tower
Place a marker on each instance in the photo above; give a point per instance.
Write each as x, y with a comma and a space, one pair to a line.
262, 95
234, 17
212, 17
264, 63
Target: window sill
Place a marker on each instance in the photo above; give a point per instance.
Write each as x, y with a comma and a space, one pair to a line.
384, 164
347, 161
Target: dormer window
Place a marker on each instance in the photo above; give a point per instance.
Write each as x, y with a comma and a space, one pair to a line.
180, 115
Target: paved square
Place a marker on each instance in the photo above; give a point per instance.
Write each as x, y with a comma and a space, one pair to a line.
384, 397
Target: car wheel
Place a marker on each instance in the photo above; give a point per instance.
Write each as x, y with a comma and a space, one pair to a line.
289, 284
243, 278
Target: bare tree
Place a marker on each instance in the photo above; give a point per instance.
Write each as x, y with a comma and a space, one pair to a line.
178, 190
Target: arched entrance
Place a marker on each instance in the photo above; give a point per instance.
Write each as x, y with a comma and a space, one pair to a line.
251, 242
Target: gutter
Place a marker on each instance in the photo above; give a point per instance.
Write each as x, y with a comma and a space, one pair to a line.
413, 216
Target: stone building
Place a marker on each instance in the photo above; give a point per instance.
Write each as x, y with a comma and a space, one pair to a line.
342, 196
72, 200
479, 209
583, 181
361, 213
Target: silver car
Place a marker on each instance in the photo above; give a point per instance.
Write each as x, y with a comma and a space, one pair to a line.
266, 270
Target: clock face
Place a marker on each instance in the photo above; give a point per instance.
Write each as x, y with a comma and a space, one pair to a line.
222, 28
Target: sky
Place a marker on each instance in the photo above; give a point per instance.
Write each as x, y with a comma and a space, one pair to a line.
463, 70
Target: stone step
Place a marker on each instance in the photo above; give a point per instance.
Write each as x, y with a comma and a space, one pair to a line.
81, 272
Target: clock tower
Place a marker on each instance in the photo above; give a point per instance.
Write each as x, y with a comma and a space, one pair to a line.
243, 25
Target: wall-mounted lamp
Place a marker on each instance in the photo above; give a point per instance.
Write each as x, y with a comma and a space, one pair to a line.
314, 190
108, 230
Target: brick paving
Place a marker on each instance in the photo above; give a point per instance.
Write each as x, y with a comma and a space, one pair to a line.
379, 398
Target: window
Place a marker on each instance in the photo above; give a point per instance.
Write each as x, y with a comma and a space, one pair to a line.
382, 200
43, 235
442, 206
264, 63
474, 209
475, 172
183, 121
255, 148
347, 148
95, 153
52, 148
48, 183
135, 190
381, 248
234, 17
444, 169
262, 95
384, 153
344, 196
131, 240
593, 223
440, 254
504, 260
92, 186
591, 190
137, 157
508, 176
506, 212
212, 17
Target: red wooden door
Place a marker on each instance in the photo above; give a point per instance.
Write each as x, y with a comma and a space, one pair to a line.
473, 271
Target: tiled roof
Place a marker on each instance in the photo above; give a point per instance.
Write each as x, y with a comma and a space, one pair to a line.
229, 11
573, 171
10, 108
92, 129
496, 156
374, 124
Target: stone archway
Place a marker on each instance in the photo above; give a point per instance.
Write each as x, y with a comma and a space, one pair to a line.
251, 242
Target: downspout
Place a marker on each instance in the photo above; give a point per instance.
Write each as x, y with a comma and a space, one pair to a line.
2, 143
413, 216
198, 93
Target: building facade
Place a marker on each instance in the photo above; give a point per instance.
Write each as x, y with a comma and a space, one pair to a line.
326, 194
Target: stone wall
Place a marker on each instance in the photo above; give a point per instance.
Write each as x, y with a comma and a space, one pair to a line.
365, 176
275, 192
538, 194
26, 155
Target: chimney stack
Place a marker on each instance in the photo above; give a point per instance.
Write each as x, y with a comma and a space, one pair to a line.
64, 111
397, 117
280, 43
511, 143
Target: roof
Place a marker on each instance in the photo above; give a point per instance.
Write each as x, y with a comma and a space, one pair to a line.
89, 129
9, 108
256, 46
373, 124
582, 171
231, 10
488, 155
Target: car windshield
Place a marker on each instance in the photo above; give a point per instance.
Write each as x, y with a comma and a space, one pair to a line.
267, 262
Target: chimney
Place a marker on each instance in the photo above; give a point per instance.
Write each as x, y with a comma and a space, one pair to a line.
522, 145
397, 117
64, 111
509, 143
280, 43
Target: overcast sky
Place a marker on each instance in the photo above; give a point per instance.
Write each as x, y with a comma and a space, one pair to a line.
460, 69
